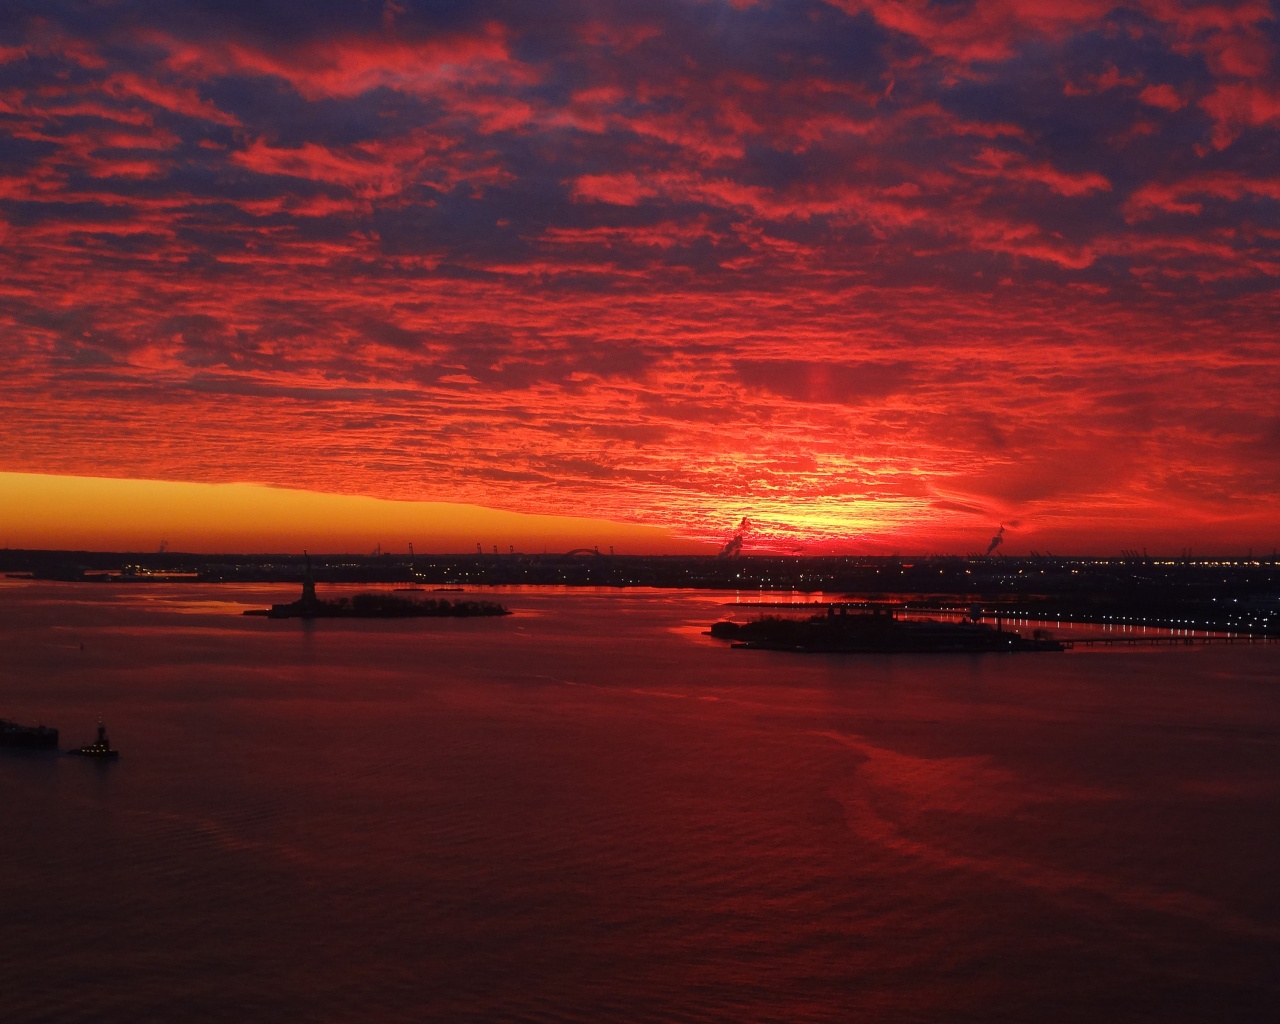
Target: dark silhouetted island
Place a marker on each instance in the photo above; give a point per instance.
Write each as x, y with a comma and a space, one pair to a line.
29, 737
374, 606
379, 606
870, 629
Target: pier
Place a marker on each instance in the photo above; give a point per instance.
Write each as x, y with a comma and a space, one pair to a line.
1165, 641
1153, 633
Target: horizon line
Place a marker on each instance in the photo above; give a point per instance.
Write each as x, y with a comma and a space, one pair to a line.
1128, 555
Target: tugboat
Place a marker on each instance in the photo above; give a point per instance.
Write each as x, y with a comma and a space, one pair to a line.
101, 747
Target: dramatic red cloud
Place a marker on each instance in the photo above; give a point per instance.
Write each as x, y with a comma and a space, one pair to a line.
350, 66
878, 275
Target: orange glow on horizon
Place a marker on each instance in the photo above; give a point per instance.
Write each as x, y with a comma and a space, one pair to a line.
95, 513
40, 511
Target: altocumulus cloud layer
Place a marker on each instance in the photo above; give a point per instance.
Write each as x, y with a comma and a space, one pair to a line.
867, 271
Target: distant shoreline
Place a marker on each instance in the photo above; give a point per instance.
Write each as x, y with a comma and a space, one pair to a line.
1228, 595
1239, 594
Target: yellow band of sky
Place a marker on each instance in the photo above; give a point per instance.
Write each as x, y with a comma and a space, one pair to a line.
100, 514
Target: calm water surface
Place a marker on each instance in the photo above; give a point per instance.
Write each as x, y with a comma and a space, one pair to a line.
590, 812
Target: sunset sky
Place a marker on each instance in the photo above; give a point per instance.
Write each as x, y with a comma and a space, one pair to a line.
878, 275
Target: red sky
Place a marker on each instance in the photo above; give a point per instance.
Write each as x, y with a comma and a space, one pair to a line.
876, 274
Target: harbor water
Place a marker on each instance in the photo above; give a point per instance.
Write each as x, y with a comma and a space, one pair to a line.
590, 811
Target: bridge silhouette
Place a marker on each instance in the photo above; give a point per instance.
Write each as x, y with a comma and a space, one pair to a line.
581, 552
